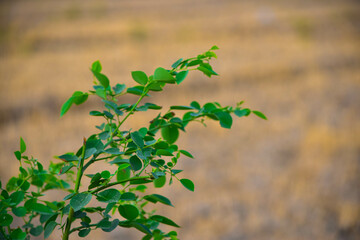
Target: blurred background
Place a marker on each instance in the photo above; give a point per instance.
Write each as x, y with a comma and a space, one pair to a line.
295, 176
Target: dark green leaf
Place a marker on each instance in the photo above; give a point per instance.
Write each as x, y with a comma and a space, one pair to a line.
17, 197
105, 174
181, 76
128, 196
18, 155
154, 198
164, 220
195, 104
170, 133
128, 211
66, 168
140, 77
22, 145
112, 226
19, 212
188, 184
68, 157
84, 232
163, 152
36, 231
80, 200
181, 108
137, 90
49, 228
135, 163
109, 195
136, 137
96, 66
40, 208
123, 174
162, 75
18, 234
5, 219
260, 115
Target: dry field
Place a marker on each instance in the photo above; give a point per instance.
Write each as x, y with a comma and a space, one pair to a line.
294, 177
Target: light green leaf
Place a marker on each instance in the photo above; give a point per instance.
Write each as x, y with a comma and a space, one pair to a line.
159, 182
96, 66
22, 145
260, 115
104, 81
181, 76
162, 75
140, 77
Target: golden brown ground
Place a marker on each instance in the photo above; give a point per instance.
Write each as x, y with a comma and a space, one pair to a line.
293, 177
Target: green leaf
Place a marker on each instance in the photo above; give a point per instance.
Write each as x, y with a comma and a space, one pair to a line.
104, 81
139, 77
137, 139
5, 219
19, 212
260, 115
49, 228
105, 174
18, 234
181, 76
154, 198
137, 90
164, 220
123, 174
128, 211
159, 182
135, 163
195, 104
17, 197
128, 196
68, 157
163, 152
224, 118
186, 153
181, 108
79, 97
214, 47
36, 231
177, 63
119, 88
207, 69
109, 195
141, 227
162, 75
170, 133
80, 200
96, 66
188, 184
18, 155
66, 106
242, 112
22, 145
84, 232
40, 208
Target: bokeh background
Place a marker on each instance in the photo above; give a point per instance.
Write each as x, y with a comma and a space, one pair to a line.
295, 176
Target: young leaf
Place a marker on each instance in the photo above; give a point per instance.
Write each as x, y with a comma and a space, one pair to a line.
80, 200
260, 115
66, 106
188, 184
140, 77
96, 66
214, 47
22, 145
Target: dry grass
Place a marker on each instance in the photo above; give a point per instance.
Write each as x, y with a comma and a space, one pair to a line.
295, 176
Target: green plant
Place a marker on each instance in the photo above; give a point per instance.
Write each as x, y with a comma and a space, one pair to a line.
142, 156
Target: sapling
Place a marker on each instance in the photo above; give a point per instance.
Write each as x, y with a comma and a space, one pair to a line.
143, 156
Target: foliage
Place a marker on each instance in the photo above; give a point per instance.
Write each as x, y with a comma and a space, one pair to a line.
142, 156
